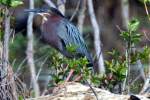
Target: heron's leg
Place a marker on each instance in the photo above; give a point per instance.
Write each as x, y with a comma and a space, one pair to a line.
78, 78
66, 81
69, 76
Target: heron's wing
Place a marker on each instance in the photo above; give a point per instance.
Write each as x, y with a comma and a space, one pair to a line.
71, 35
62, 33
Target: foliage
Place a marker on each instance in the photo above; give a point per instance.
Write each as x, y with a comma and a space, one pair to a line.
145, 54
115, 68
17, 47
2, 11
63, 65
6, 3
131, 36
146, 1
11, 3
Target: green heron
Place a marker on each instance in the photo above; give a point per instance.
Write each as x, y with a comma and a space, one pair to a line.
57, 31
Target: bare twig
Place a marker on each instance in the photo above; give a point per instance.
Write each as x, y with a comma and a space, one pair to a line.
30, 50
37, 76
50, 3
120, 30
146, 85
18, 72
141, 74
13, 63
61, 6
19, 67
13, 36
125, 17
146, 9
97, 41
92, 89
76, 10
21, 86
145, 34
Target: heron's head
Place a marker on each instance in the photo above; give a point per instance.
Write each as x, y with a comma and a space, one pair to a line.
44, 14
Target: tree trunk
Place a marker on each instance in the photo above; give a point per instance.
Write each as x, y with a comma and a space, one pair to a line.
30, 51
97, 41
7, 83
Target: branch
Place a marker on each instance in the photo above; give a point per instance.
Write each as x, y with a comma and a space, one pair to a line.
61, 6
6, 44
81, 16
146, 9
41, 66
125, 19
146, 86
8, 85
50, 3
97, 41
30, 50
76, 10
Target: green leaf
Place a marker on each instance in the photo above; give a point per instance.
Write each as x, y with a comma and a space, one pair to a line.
16, 3
147, 1
145, 54
135, 38
5, 2
11, 3
125, 35
1, 34
20, 97
133, 25
71, 48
